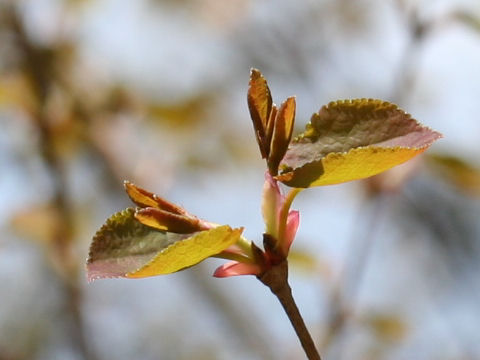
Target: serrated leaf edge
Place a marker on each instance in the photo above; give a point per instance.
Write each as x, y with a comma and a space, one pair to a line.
366, 101
108, 224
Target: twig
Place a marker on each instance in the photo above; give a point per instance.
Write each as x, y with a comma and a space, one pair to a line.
276, 278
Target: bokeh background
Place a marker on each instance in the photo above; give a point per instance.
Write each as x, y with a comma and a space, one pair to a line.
94, 92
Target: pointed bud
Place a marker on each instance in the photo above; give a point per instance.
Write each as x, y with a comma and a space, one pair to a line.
272, 201
139, 196
269, 130
282, 134
260, 105
144, 199
166, 221
235, 268
293, 221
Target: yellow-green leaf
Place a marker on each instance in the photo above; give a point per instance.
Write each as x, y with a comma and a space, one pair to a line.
123, 245
351, 140
190, 251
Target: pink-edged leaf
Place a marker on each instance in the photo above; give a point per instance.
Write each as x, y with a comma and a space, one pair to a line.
123, 245
353, 139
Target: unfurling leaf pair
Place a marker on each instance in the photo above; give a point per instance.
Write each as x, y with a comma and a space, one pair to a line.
157, 238
344, 141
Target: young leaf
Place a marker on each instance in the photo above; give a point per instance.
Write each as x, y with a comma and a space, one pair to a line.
235, 268
188, 252
282, 134
260, 106
166, 221
351, 140
139, 196
123, 245
144, 198
270, 129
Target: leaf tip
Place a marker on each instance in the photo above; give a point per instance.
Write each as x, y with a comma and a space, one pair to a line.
91, 277
239, 230
255, 73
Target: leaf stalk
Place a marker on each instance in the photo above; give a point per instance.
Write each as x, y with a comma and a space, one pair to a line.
283, 216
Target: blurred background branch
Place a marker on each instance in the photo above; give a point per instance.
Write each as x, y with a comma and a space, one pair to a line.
92, 93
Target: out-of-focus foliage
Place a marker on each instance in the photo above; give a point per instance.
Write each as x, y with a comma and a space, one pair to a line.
459, 172
387, 327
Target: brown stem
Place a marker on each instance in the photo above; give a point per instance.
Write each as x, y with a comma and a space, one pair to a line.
276, 278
